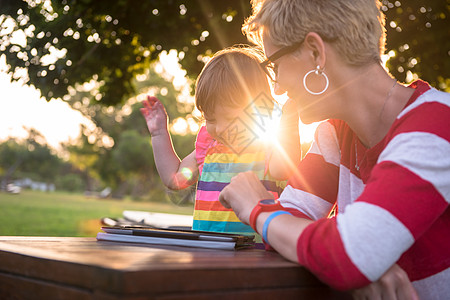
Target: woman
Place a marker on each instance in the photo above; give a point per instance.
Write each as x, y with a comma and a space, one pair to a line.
382, 155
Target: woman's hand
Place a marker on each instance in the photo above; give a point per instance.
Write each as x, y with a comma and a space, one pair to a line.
243, 193
155, 115
393, 285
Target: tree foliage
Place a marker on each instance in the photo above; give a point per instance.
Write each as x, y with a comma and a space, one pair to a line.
133, 154
114, 42
418, 33
29, 157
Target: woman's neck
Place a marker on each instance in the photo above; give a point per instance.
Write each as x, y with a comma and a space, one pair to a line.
374, 101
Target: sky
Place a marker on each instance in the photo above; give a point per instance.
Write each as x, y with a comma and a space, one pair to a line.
21, 107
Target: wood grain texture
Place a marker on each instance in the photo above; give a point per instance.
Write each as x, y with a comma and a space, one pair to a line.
83, 268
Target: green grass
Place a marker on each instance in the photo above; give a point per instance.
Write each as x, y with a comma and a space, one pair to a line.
34, 213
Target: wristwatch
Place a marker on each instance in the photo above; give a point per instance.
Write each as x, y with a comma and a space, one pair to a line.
264, 205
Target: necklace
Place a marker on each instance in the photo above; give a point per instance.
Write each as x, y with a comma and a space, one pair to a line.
356, 157
387, 98
357, 166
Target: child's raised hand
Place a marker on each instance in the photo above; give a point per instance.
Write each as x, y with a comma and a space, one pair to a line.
155, 115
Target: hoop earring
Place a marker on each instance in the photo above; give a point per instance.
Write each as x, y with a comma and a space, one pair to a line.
319, 72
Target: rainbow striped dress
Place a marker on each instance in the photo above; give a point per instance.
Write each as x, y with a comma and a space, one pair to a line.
217, 165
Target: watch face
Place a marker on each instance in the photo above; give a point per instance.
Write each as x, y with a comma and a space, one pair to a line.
267, 202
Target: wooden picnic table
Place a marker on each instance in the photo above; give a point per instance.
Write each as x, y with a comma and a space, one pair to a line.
84, 268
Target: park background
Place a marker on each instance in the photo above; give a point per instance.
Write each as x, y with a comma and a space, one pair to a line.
73, 75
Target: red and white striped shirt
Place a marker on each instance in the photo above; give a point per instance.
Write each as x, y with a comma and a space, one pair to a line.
394, 209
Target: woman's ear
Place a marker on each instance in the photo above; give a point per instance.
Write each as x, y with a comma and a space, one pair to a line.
316, 47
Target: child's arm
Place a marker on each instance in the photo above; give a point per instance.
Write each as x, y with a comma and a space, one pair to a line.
287, 154
175, 173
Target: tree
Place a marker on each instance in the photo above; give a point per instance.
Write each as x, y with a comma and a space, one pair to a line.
12, 155
30, 157
83, 157
112, 43
133, 156
40, 159
419, 36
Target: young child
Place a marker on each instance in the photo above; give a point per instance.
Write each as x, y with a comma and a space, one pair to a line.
233, 94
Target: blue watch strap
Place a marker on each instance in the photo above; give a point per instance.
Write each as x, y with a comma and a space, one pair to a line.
269, 219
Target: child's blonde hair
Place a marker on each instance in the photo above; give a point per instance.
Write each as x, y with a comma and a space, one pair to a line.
232, 77
355, 27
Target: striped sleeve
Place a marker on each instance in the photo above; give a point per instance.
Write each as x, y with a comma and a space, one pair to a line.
314, 195
403, 205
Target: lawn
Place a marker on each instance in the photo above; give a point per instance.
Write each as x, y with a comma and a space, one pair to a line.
33, 213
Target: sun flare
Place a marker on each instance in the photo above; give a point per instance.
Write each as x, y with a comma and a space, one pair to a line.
271, 131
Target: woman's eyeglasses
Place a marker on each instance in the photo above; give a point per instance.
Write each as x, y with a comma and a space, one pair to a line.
269, 66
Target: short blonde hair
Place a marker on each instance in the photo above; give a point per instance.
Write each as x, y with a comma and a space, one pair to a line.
354, 27
232, 77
